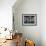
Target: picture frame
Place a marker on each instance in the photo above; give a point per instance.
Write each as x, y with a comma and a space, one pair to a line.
29, 19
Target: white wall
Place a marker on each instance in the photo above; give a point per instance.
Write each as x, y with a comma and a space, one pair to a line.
28, 7
43, 22
6, 13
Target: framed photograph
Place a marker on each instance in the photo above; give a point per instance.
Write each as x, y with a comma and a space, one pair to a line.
29, 19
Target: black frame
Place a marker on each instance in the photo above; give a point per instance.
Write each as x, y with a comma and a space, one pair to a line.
29, 19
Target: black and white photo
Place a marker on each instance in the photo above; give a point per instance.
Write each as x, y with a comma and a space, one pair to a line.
29, 19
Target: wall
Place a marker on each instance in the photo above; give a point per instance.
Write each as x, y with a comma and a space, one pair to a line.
43, 22
6, 13
28, 7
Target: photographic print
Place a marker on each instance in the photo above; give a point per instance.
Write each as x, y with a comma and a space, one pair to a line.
29, 19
